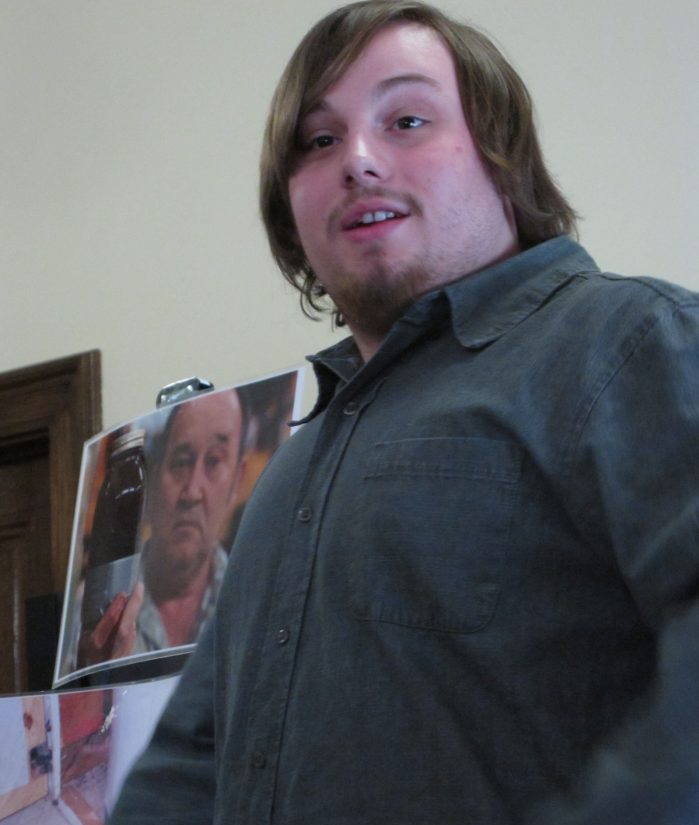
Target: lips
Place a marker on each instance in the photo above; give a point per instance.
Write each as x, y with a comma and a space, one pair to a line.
367, 213
379, 216
187, 524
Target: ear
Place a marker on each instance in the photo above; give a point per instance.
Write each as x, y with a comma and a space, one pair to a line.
232, 504
239, 478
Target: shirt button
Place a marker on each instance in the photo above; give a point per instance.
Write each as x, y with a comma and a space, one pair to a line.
282, 636
304, 514
351, 407
258, 759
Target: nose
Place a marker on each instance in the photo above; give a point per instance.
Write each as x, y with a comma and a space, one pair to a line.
364, 161
193, 487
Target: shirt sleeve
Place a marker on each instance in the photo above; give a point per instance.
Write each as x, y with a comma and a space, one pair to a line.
635, 493
174, 780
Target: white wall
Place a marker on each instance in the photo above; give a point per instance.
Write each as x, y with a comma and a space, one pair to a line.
129, 137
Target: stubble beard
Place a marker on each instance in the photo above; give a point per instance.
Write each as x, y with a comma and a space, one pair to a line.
372, 302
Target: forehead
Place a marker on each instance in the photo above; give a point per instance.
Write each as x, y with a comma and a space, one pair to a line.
399, 51
216, 418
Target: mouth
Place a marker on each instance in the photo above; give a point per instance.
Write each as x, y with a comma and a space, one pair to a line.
186, 524
370, 210
378, 216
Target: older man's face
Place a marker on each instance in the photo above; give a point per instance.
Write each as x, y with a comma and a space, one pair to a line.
196, 481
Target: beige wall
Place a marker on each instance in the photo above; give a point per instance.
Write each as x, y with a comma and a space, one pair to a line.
129, 135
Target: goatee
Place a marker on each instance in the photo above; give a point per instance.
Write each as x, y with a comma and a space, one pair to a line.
371, 304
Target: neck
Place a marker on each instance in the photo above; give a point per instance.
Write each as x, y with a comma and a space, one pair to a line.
165, 582
366, 344
180, 618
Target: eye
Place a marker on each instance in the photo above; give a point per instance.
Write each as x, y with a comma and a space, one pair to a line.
409, 122
179, 465
216, 460
321, 142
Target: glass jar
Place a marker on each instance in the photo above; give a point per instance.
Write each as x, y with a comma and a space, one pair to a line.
113, 545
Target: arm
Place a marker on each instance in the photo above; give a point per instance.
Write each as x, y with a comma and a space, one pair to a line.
650, 774
174, 780
635, 493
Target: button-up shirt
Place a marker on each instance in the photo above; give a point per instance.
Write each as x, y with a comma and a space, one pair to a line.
447, 590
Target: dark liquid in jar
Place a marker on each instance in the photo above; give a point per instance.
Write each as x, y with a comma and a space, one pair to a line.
114, 539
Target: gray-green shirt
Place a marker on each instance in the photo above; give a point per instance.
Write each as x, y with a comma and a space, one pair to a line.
448, 589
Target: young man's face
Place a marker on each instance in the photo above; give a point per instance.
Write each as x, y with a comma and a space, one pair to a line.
196, 481
391, 197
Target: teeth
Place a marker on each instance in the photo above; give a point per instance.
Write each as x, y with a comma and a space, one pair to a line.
375, 217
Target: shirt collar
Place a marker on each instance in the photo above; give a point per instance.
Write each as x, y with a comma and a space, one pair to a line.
334, 365
486, 304
483, 306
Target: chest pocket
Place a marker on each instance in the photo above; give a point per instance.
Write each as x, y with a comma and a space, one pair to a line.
437, 516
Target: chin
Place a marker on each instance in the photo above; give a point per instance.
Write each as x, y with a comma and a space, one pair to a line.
377, 300
182, 552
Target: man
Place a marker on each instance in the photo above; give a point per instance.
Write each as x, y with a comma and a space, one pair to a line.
196, 470
467, 572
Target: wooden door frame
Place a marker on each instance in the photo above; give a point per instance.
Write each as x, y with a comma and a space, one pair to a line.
53, 407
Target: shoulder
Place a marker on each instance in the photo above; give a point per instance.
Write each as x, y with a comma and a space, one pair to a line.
608, 337
639, 292
607, 310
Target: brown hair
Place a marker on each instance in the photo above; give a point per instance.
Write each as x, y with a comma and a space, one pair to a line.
496, 104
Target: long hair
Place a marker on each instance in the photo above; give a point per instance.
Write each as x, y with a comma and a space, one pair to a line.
496, 105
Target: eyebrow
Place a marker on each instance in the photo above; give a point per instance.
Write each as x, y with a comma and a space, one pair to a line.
381, 88
390, 82
185, 447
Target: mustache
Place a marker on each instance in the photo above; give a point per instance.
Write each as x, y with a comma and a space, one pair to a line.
407, 202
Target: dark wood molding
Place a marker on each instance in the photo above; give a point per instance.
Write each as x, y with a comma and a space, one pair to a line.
53, 408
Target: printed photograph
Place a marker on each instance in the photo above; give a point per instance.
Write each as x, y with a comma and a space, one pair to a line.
64, 756
158, 507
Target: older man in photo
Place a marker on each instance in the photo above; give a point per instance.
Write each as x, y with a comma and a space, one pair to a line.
195, 469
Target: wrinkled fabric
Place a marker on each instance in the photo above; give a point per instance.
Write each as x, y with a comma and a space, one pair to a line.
447, 591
